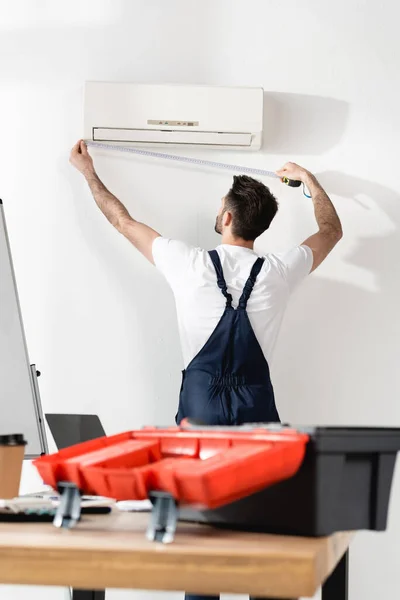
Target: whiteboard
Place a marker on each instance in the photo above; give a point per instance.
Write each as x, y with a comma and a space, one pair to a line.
20, 410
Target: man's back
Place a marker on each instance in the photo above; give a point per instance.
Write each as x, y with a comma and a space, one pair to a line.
199, 301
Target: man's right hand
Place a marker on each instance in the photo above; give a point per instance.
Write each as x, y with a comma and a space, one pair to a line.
293, 171
81, 159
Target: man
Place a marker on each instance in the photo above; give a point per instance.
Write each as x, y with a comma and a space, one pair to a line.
230, 302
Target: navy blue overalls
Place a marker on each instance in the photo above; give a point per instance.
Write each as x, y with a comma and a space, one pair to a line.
228, 382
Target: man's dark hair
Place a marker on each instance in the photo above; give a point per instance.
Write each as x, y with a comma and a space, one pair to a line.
252, 205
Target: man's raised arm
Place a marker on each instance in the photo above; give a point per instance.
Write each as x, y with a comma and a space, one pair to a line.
329, 226
139, 234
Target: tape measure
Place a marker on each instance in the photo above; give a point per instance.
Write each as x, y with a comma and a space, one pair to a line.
193, 161
291, 182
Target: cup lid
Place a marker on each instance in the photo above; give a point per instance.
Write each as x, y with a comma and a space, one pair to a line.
12, 439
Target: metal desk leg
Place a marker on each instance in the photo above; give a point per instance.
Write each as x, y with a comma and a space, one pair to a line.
88, 594
336, 587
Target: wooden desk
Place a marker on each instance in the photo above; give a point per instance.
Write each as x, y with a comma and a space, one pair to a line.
111, 551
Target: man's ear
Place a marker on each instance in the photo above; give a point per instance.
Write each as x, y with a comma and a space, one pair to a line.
227, 218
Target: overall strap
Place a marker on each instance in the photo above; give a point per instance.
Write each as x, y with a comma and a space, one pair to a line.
248, 288
220, 277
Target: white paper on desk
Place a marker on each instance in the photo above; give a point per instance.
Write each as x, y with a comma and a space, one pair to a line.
20, 504
135, 505
47, 502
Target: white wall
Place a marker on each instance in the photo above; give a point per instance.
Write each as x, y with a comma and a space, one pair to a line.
99, 320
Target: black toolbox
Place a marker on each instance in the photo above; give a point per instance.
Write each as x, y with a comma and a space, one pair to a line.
343, 484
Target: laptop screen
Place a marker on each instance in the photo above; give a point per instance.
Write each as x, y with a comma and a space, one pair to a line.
68, 430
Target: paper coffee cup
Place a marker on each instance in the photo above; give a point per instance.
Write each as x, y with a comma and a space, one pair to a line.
12, 450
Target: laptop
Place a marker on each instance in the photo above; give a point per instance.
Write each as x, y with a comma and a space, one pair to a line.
74, 429
68, 430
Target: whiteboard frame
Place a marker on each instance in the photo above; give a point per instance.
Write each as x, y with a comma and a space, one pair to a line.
31, 368
39, 414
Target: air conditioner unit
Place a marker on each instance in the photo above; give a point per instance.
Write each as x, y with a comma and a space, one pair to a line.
174, 115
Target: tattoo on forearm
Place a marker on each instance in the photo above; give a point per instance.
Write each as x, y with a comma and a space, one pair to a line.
325, 213
110, 206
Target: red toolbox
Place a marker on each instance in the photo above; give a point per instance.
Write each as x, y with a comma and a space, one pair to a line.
208, 468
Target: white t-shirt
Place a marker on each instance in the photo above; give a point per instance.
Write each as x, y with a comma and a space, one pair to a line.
200, 303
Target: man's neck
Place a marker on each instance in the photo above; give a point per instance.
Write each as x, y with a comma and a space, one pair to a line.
232, 241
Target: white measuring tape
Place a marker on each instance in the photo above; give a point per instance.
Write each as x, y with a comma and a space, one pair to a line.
185, 159
195, 161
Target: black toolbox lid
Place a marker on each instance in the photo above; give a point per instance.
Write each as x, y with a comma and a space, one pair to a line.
353, 439
326, 439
